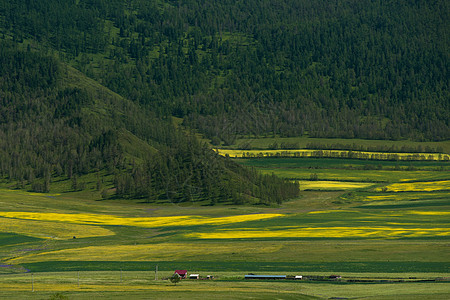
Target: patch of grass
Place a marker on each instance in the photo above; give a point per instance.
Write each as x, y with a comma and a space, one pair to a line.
49, 230
243, 267
13, 239
341, 163
355, 175
419, 204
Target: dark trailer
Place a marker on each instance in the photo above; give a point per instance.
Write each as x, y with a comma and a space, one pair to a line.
265, 276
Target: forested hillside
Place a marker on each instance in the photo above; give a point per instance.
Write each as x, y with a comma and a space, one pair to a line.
56, 124
366, 69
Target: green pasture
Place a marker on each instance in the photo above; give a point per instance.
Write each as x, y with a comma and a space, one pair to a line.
350, 170
343, 163
7, 239
361, 211
227, 285
363, 268
404, 200
358, 232
381, 176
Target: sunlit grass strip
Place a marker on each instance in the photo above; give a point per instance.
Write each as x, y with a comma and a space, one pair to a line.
45, 229
326, 232
146, 252
29, 193
332, 185
424, 186
334, 154
137, 222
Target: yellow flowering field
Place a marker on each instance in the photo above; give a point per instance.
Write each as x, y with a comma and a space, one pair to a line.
429, 213
45, 229
424, 186
327, 211
384, 232
390, 213
334, 153
332, 185
97, 219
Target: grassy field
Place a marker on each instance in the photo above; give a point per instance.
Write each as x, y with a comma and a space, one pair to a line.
142, 285
382, 225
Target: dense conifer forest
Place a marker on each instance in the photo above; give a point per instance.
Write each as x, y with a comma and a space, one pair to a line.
348, 69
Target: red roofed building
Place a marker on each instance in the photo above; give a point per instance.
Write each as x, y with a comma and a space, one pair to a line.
181, 273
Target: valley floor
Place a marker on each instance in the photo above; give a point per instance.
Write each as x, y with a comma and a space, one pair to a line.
386, 236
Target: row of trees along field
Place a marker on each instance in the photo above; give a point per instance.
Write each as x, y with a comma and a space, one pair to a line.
346, 146
55, 124
353, 68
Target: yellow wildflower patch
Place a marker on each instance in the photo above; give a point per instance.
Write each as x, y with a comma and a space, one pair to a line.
403, 196
137, 222
325, 232
44, 229
429, 213
332, 211
424, 186
332, 185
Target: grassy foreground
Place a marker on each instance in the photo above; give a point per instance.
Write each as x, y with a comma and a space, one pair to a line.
142, 285
382, 225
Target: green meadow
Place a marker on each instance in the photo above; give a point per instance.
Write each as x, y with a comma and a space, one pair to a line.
381, 225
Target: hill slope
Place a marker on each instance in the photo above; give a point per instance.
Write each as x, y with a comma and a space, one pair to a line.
58, 124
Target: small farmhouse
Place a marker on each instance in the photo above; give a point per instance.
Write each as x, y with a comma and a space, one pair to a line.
194, 276
181, 273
